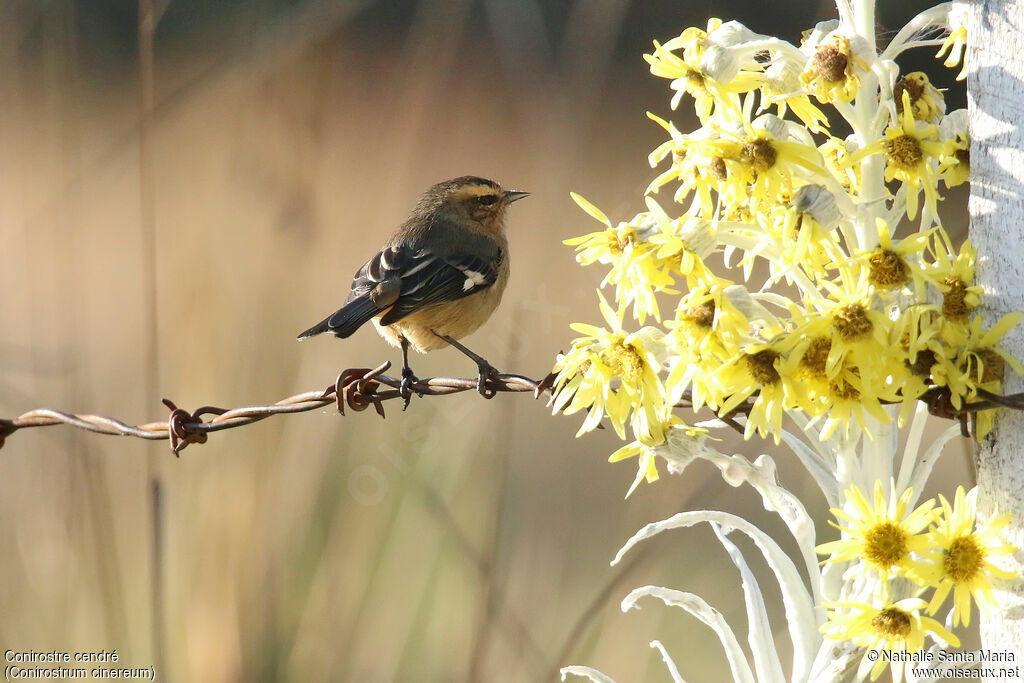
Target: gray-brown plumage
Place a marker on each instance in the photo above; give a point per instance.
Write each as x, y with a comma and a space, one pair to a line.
438, 278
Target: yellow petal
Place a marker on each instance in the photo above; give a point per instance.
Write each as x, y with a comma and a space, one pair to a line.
590, 209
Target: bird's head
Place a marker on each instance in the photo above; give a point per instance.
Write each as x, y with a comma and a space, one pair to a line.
477, 201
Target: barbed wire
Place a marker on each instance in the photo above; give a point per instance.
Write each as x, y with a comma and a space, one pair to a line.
360, 388
355, 388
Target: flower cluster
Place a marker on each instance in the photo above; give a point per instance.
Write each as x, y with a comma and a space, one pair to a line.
822, 309
944, 548
798, 282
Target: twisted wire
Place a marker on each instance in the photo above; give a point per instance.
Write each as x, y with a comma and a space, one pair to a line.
359, 388
355, 388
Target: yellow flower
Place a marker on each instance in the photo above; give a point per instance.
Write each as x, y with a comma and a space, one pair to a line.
830, 74
706, 333
953, 274
955, 165
927, 101
847, 398
893, 267
756, 369
974, 361
805, 364
695, 164
646, 450
634, 271
912, 153
605, 246
859, 334
843, 397
805, 230
882, 537
708, 319
762, 162
678, 146
682, 245
892, 627
963, 565
687, 76
605, 357
918, 331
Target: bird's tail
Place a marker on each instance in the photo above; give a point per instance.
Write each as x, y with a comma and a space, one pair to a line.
346, 320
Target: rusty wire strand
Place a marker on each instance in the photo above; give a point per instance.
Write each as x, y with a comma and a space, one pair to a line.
359, 388
355, 388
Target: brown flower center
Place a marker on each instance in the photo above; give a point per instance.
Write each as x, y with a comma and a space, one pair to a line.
761, 366
904, 151
843, 390
759, 154
852, 322
695, 81
913, 86
830, 63
719, 171
922, 365
963, 560
815, 358
891, 624
618, 239
989, 366
885, 544
702, 315
887, 269
954, 299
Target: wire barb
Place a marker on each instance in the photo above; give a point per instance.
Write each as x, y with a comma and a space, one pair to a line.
355, 388
179, 426
358, 389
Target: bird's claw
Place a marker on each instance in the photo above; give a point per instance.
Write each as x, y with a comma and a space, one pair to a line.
405, 388
486, 371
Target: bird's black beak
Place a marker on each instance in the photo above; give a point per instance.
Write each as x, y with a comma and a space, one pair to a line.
513, 195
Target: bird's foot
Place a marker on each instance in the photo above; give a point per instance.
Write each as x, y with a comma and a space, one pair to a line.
486, 371
405, 388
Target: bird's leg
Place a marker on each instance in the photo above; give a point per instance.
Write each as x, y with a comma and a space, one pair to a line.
484, 368
408, 376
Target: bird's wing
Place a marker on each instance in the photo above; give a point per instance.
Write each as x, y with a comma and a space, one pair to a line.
428, 279
375, 287
380, 278
402, 279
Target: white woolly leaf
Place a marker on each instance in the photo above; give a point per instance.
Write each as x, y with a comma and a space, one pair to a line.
796, 600
759, 635
712, 618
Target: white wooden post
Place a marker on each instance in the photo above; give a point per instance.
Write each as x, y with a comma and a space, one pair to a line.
995, 87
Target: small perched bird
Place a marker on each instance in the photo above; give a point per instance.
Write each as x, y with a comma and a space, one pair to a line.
438, 278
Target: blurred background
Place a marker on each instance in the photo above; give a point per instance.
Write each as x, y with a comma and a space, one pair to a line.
461, 540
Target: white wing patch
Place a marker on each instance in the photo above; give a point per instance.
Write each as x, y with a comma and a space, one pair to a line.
423, 263
473, 279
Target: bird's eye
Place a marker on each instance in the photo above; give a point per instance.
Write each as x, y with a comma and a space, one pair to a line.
487, 199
